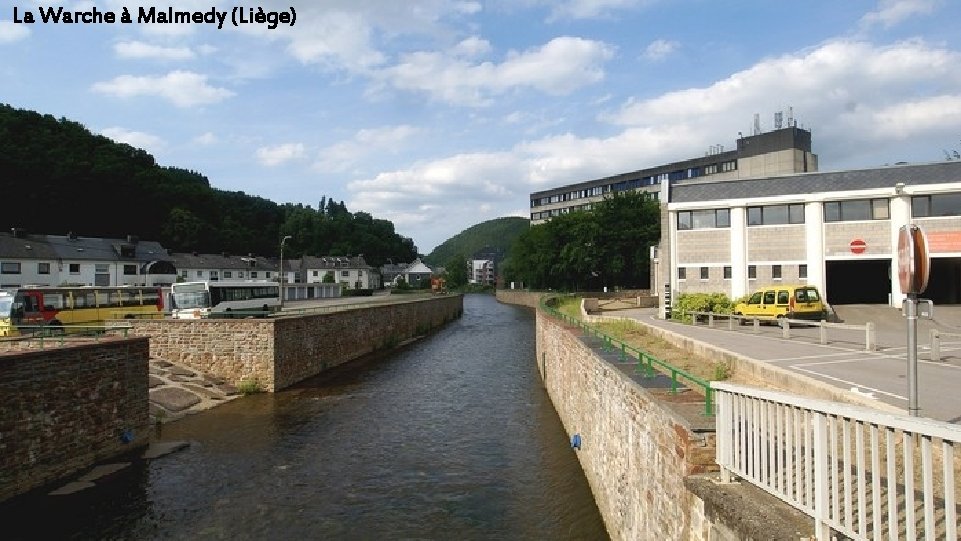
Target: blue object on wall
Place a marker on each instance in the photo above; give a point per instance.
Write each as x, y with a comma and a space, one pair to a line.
576, 441
127, 436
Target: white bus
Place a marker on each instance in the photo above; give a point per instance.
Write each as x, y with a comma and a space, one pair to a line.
224, 298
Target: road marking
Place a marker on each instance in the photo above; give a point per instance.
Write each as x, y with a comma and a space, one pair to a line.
849, 383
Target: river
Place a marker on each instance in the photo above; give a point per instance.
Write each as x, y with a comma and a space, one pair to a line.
450, 437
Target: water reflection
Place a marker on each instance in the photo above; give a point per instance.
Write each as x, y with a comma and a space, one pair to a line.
452, 437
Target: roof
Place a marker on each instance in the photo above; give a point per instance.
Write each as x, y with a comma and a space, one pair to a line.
222, 261
76, 248
334, 262
418, 268
808, 183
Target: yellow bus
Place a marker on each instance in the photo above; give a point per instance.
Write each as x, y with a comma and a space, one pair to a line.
59, 308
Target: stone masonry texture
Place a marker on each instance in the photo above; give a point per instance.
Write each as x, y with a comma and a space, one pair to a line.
63, 409
279, 352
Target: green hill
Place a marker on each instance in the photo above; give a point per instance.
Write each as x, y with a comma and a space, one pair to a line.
498, 234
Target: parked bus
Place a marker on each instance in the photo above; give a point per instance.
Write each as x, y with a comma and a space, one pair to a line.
196, 300
58, 308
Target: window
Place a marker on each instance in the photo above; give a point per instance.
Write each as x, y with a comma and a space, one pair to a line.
214, 275
240, 274
129, 270
776, 272
856, 209
705, 273
769, 297
200, 274
710, 169
924, 206
703, 219
776, 214
783, 297
727, 272
681, 273
43, 268
9, 268
75, 268
228, 275
184, 274
802, 271
752, 272
728, 166
253, 274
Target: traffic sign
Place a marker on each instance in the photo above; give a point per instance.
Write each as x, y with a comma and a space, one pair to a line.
914, 264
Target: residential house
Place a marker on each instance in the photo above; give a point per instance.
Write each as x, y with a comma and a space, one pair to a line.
351, 272
53, 260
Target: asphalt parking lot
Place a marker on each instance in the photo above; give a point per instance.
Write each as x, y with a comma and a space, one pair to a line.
843, 362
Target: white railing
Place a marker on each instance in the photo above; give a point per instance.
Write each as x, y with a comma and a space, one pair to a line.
856, 471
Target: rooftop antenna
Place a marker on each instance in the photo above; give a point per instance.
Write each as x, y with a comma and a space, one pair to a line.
757, 124
778, 120
790, 118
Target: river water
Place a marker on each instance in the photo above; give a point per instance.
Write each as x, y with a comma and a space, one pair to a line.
451, 437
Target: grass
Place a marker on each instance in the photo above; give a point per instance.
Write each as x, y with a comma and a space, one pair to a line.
249, 386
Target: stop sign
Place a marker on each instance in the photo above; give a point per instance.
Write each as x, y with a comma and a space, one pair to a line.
858, 246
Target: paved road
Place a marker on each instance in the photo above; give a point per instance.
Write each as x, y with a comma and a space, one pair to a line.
844, 363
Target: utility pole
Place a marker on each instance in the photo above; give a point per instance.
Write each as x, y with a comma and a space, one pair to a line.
282, 241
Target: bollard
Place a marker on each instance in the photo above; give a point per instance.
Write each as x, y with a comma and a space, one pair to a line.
785, 329
935, 337
757, 326
869, 344
730, 322
710, 320
824, 333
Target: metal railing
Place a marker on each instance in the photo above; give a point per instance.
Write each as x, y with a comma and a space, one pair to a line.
647, 364
860, 472
870, 336
44, 336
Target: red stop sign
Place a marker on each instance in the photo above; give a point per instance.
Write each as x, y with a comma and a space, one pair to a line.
858, 246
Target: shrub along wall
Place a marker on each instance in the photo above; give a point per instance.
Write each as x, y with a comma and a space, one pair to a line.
64, 409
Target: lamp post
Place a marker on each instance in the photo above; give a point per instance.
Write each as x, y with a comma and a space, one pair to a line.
282, 241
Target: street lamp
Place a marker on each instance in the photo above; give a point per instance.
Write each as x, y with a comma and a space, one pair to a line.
282, 241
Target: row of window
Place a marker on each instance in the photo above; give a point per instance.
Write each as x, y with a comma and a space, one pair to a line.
15, 267
633, 184
776, 272
922, 206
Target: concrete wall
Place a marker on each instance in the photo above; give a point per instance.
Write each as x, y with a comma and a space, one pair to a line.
279, 352
635, 453
64, 409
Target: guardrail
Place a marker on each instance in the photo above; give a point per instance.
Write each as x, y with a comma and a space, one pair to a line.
870, 335
646, 362
860, 472
48, 336
936, 336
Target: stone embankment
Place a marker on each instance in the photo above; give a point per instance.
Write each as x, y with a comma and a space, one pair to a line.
176, 391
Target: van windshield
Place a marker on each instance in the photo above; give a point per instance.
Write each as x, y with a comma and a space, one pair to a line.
806, 295
5, 304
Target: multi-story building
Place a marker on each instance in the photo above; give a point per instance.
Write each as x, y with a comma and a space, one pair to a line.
350, 272
193, 267
835, 230
54, 260
782, 151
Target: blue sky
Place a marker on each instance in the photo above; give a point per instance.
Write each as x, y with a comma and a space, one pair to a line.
440, 114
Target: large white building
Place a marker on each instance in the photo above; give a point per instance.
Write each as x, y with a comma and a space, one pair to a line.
835, 230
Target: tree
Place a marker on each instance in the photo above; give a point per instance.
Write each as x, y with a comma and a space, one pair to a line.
607, 246
455, 272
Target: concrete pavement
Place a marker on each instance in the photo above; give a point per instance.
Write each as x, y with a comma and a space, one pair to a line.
879, 376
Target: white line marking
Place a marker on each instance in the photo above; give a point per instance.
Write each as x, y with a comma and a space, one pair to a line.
849, 383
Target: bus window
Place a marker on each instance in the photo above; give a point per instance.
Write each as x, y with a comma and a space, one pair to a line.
52, 301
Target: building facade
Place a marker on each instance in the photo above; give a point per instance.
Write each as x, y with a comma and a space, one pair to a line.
58, 260
350, 272
834, 230
782, 151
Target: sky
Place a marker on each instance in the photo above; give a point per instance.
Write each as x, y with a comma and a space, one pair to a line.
441, 114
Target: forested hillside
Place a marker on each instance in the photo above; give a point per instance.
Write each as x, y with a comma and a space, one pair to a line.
498, 234
57, 177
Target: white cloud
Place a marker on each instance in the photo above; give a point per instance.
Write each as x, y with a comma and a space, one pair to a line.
559, 67
346, 154
892, 12
276, 155
660, 49
11, 32
207, 138
590, 9
139, 49
472, 47
182, 88
136, 139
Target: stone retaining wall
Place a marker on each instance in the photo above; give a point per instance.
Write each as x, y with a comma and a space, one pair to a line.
282, 351
635, 452
66, 408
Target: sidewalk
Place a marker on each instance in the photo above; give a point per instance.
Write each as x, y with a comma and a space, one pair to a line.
879, 375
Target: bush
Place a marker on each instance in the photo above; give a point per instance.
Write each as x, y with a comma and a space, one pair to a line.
685, 303
357, 292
